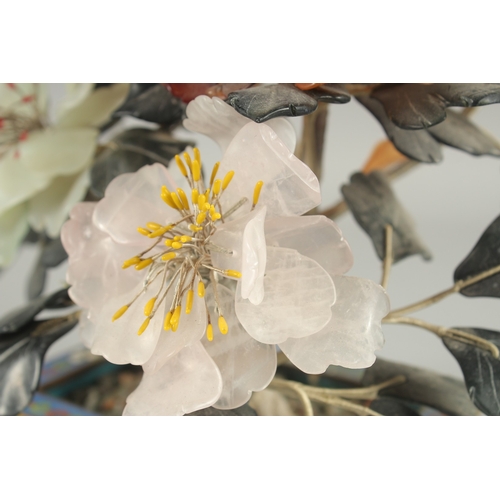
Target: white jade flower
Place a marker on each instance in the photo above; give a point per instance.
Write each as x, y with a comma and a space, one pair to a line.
44, 163
199, 282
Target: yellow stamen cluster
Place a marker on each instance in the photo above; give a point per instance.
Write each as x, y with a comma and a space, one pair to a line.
190, 238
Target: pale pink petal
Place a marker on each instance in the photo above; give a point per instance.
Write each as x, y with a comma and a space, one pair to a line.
191, 328
118, 341
257, 154
245, 364
298, 294
314, 236
135, 203
244, 238
187, 382
353, 334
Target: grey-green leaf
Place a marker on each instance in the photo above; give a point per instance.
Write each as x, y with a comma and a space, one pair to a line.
374, 205
21, 358
481, 370
270, 101
484, 256
416, 144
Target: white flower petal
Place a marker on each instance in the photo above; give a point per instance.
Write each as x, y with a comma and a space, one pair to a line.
49, 208
245, 364
314, 236
75, 94
187, 382
298, 294
13, 98
191, 329
352, 335
134, 201
257, 154
245, 238
96, 108
13, 228
118, 340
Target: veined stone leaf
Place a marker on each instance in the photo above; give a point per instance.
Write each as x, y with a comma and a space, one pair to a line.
270, 101
416, 144
20, 317
484, 256
458, 132
132, 150
417, 106
333, 93
21, 358
388, 406
481, 370
154, 104
374, 205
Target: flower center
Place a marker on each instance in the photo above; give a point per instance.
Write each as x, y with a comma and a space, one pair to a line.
19, 119
180, 255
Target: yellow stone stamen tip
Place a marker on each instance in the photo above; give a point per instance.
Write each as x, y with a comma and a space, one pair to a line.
131, 262
119, 313
201, 289
227, 179
149, 306
189, 301
181, 166
256, 192
233, 273
169, 256
223, 325
210, 332
166, 324
143, 264
143, 231
143, 326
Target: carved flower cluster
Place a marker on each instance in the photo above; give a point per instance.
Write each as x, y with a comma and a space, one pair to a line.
198, 281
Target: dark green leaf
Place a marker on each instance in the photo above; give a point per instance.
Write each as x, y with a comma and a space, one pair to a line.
21, 358
417, 106
155, 104
270, 101
130, 151
481, 370
36, 281
374, 205
484, 256
21, 316
416, 144
457, 131
333, 93
53, 253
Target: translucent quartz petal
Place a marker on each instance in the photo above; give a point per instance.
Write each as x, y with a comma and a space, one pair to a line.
49, 208
221, 122
245, 238
95, 261
86, 329
214, 118
191, 329
137, 202
257, 154
298, 295
187, 382
245, 364
118, 340
352, 335
41, 157
314, 236
75, 93
13, 228
96, 108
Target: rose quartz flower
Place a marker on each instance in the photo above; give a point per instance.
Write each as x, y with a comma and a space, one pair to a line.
199, 281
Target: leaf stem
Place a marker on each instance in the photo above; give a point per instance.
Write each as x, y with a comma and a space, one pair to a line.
442, 331
459, 285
